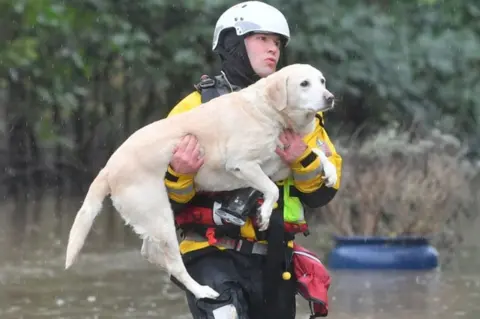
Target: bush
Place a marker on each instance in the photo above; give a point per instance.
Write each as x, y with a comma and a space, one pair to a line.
396, 184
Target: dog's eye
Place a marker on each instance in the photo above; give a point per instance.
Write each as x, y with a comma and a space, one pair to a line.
322, 81
305, 83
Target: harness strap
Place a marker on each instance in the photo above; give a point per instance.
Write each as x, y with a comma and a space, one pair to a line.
240, 245
208, 88
212, 87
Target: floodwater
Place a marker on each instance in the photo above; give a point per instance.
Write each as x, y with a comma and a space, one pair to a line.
111, 280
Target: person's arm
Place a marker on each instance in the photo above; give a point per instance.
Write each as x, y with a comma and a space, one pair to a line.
308, 184
179, 186
185, 160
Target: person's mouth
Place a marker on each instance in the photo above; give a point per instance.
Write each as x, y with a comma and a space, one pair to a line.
271, 61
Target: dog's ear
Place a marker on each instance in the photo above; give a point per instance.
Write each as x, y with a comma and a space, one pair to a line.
276, 90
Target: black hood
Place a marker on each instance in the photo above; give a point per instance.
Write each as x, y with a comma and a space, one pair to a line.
235, 62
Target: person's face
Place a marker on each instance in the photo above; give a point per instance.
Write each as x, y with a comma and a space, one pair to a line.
264, 52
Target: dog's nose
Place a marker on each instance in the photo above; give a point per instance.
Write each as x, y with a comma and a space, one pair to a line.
330, 99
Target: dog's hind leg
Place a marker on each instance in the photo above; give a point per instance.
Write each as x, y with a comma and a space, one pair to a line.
254, 176
145, 206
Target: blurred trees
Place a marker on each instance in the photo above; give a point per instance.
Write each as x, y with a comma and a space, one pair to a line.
77, 77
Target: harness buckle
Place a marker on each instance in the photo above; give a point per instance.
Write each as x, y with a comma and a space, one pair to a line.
210, 234
206, 82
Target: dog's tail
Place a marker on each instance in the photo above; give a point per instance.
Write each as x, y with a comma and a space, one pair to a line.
91, 207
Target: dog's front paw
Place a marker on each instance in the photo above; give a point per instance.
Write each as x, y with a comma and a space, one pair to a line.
330, 174
263, 223
263, 218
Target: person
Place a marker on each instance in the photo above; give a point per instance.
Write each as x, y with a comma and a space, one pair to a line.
251, 270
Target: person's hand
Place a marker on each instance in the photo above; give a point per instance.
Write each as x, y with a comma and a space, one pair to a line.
293, 146
186, 157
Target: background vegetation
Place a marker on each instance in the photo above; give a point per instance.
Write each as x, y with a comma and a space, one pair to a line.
78, 76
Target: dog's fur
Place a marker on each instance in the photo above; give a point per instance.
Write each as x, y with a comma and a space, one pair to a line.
238, 133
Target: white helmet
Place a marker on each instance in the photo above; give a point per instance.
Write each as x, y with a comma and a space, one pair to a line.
252, 16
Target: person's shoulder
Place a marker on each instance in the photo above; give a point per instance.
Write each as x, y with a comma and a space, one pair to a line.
189, 102
319, 119
194, 99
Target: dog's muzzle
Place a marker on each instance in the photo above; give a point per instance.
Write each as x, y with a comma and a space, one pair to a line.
330, 102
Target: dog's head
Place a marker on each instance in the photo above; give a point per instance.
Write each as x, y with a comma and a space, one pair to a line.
299, 92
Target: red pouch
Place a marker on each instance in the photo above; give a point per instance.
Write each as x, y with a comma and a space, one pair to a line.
313, 280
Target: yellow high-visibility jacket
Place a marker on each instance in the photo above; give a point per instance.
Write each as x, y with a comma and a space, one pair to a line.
306, 181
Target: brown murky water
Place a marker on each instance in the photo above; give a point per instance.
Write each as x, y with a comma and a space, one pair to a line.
111, 280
